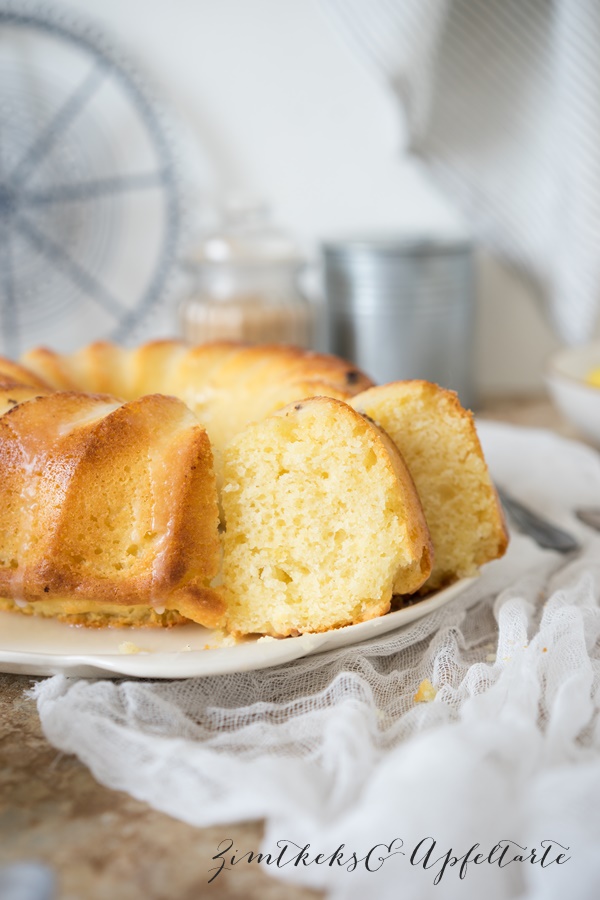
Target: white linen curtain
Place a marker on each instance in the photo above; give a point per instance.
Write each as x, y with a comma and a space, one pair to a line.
501, 100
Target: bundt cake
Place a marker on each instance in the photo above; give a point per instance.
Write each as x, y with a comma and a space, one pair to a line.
438, 441
108, 510
322, 519
109, 500
227, 385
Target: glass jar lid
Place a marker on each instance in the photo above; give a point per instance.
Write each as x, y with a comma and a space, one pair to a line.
247, 237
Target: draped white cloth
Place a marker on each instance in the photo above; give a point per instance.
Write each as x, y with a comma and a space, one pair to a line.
501, 99
333, 749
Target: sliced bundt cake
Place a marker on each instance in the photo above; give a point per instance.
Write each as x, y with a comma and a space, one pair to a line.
439, 443
322, 520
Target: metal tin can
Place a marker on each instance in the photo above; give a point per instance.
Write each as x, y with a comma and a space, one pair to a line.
403, 307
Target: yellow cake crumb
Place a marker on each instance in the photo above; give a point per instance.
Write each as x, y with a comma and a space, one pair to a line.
303, 490
425, 693
220, 639
439, 443
129, 647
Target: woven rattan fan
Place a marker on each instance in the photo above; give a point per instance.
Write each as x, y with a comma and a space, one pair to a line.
89, 212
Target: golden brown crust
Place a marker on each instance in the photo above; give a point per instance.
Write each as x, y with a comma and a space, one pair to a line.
231, 370
120, 505
13, 373
49, 367
227, 384
13, 392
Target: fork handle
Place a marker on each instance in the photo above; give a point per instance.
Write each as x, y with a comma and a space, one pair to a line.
541, 530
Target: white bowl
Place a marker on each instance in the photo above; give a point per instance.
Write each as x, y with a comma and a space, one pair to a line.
578, 401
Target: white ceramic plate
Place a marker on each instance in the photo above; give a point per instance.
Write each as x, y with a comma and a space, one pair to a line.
31, 646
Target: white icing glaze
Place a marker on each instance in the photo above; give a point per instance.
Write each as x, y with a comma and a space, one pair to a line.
88, 418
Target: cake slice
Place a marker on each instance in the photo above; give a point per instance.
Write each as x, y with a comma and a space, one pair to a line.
437, 438
108, 511
322, 520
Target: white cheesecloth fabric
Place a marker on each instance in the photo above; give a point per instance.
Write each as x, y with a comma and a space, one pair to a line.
501, 100
334, 749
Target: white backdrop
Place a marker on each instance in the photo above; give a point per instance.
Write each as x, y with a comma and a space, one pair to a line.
274, 102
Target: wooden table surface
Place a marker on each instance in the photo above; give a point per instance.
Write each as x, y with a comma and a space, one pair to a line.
104, 845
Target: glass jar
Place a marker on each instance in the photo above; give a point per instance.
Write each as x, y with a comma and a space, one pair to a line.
245, 284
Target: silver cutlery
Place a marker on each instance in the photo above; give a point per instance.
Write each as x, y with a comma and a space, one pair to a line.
544, 533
